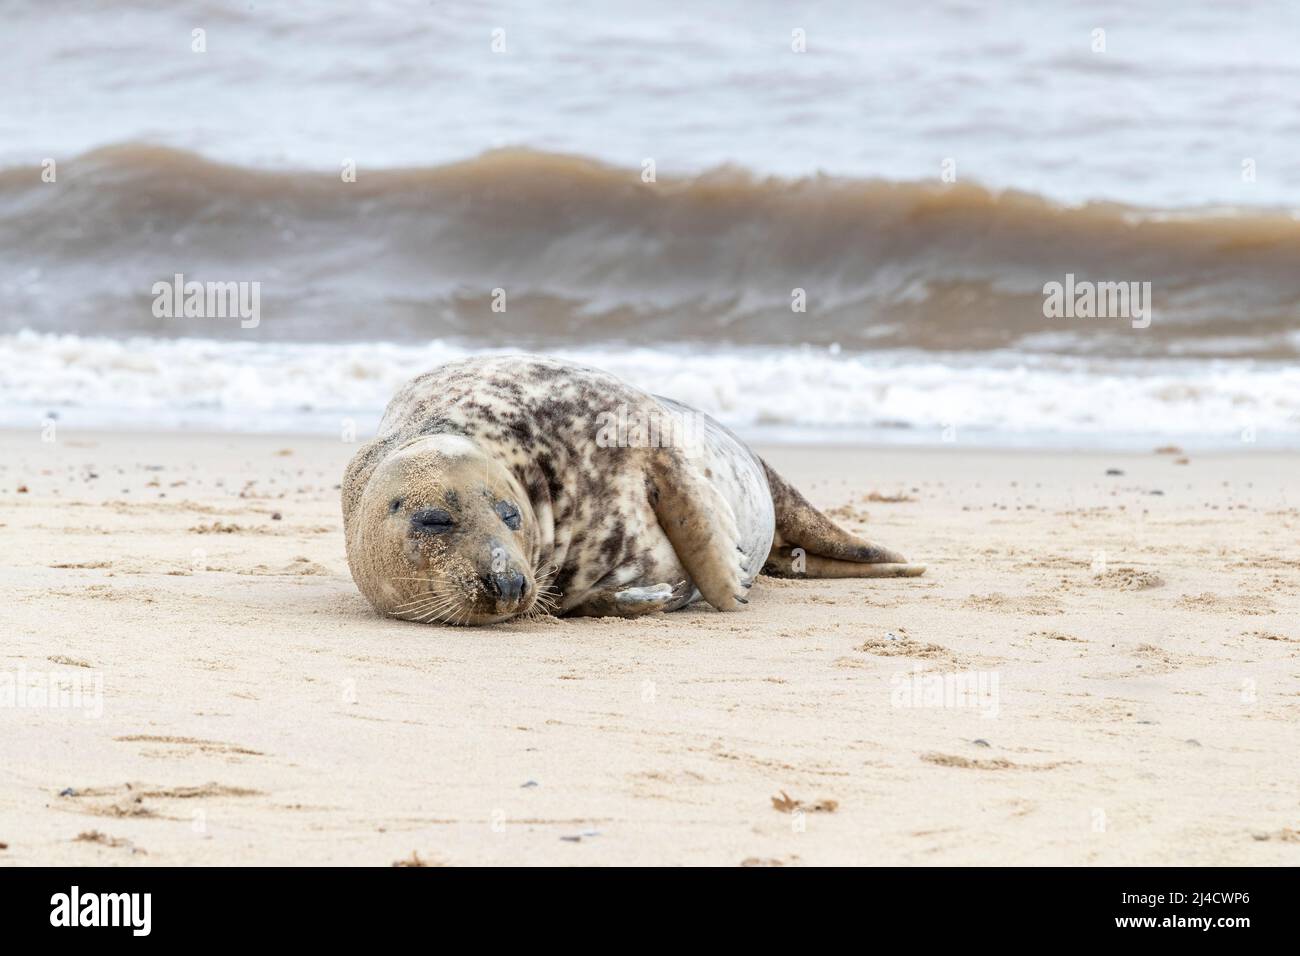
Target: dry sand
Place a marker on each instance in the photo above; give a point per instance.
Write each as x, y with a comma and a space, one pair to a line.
1145, 649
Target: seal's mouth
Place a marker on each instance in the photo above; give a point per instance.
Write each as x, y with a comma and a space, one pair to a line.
493, 599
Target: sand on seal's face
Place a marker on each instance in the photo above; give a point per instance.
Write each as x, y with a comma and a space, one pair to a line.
255, 709
437, 573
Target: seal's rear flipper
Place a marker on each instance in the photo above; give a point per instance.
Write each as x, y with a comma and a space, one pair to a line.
701, 525
794, 562
828, 551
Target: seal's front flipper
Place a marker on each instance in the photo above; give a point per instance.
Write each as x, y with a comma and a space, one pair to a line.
633, 602
809, 544
702, 527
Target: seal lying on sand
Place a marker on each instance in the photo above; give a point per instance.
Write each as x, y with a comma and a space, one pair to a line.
515, 484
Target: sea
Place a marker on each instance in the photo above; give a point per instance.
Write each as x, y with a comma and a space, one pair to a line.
1010, 224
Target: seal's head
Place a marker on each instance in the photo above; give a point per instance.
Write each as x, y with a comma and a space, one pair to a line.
442, 533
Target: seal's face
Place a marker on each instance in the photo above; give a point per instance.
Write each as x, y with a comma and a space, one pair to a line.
447, 535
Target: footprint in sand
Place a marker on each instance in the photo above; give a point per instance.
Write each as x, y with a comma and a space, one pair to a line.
205, 746
1031, 604
128, 800
1213, 603
1056, 636
1127, 579
298, 567
988, 763
1270, 636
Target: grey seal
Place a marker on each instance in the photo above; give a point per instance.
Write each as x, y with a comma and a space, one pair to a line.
512, 485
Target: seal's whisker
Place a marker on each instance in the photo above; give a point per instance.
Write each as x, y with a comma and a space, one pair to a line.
543, 606
414, 615
427, 595
434, 615
432, 604
438, 613
547, 597
447, 604
543, 597
436, 606
539, 611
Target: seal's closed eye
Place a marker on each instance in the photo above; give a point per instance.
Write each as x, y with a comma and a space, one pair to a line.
433, 520
509, 514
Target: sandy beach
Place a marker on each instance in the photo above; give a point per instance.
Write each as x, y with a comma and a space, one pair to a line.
1122, 654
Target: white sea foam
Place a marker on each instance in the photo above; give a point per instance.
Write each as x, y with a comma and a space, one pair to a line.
791, 394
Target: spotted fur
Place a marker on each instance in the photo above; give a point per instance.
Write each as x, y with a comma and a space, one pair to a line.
613, 520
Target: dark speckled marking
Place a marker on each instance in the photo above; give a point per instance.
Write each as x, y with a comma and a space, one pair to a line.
594, 505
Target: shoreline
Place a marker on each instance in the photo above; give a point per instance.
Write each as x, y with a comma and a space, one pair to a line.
990, 398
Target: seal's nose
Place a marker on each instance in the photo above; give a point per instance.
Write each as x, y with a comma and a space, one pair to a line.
508, 587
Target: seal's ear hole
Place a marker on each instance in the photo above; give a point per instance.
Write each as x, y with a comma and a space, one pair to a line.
394, 505
509, 514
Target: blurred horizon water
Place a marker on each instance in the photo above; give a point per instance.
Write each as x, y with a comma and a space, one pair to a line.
1153, 105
